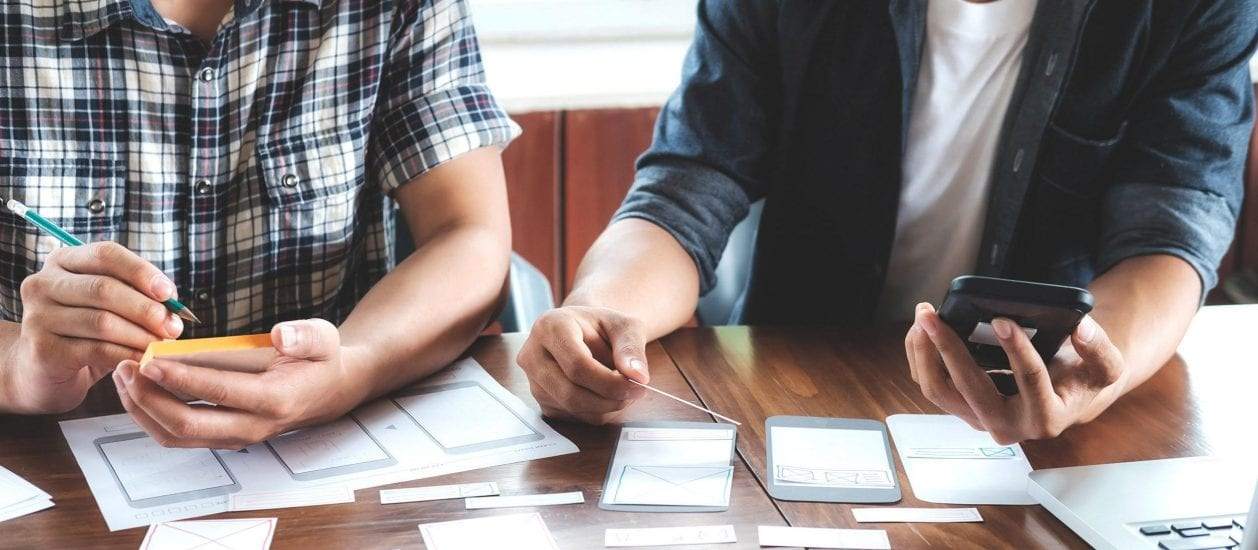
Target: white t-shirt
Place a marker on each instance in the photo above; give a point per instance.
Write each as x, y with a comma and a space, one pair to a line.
970, 62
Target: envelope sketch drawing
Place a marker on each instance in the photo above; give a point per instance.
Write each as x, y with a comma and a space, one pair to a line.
675, 485
220, 534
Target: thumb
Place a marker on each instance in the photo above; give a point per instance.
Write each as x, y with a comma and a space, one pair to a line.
1100, 357
629, 349
306, 339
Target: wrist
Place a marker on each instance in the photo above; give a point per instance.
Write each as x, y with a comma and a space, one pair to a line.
355, 377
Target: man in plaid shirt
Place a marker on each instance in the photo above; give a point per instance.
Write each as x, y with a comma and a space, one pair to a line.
249, 153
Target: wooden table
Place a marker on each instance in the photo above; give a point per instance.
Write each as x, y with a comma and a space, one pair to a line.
1201, 403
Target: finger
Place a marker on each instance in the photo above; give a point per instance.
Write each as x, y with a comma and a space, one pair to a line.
313, 339
908, 351
628, 348
970, 380
934, 382
575, 398
99, 356
114, 260
567, 348
95, 324
109, 294
1035, 387
142, 419
1100, 356
237, 390
215, 427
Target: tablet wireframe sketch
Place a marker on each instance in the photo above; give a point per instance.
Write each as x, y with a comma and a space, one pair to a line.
818, 459
343, 446
464, 417
151, 475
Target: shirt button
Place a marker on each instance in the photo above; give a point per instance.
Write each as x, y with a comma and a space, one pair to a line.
205, 75
202, 187
1052, 64
203, 296
1017, 159
290, 181
96, 206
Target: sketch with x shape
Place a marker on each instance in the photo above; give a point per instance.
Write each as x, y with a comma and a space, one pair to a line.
220, 534
675, 485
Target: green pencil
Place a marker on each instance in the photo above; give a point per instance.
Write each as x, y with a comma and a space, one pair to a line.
70, 240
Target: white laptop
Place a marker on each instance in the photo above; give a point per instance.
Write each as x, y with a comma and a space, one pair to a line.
1199, 503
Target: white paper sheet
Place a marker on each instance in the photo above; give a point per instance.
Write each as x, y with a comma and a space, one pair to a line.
916, 515
296, 498
19, 497
517, 501
992, 453
438, 492
830, 457
664, 467
669, 536
138, 483
957, 480
514, 531
813, 537
219, 534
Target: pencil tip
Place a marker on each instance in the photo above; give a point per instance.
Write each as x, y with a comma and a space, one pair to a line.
187, 315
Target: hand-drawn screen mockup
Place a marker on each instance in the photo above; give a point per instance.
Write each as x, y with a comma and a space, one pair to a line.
152, 475
341, 447
830, 460
464, 417
670, 467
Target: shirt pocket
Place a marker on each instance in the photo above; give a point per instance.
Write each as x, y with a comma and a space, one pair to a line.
84, 195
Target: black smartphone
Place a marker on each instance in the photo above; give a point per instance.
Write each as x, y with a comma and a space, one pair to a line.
1048, 314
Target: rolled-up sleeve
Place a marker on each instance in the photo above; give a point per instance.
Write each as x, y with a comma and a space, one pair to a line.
433, 102
711, 154
1178, 185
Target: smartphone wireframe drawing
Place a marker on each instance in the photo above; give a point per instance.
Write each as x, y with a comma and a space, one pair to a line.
151, 475
343, 446
464, 417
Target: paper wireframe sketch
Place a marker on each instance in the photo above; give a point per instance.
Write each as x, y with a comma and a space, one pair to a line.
19, 497
438, 492
961, 452
296, 498
669, 536
830, 457
661, 465
674, 485
519, 501
813, 537
219, 534
514, 531
137, 482
916, 515
957, 480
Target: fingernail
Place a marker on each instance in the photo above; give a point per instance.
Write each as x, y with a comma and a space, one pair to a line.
125, 372
290, 337
923, 307
1002, 328
163, 288
122, 389
152, 372
637, 365
928, 325
174, 325
1087, 330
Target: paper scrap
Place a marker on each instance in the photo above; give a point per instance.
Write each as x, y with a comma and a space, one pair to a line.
514, 531
813, 537
515, 501
313, 496
916, 515
438, 492
961, 452
222, 534
19, 497
678, 434
669, 536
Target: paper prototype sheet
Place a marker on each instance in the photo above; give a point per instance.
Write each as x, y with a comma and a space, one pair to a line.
517, 501
669, 536
438, 492
19, 497
814, 537
121, 463
831, 457
514, 531
218, 534
957, 480
916, 515
665, 468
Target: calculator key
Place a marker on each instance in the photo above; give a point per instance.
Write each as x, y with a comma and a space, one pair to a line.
1201, 543
1194, 532
1154, 530
1180, 526
1222, 523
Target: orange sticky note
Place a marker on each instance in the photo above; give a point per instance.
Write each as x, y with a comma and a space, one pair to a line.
251, 353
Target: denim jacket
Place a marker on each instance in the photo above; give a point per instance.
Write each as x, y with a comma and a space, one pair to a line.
1126, 135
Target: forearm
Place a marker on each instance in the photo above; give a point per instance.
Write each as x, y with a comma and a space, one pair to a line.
640, 270
1144, 304
426, 312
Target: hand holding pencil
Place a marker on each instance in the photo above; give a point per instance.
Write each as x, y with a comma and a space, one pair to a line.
89, 308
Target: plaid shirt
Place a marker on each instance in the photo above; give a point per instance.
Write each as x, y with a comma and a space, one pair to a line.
255, 171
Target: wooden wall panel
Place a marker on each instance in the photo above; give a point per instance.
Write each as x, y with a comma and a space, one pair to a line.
600, 147
532, 166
